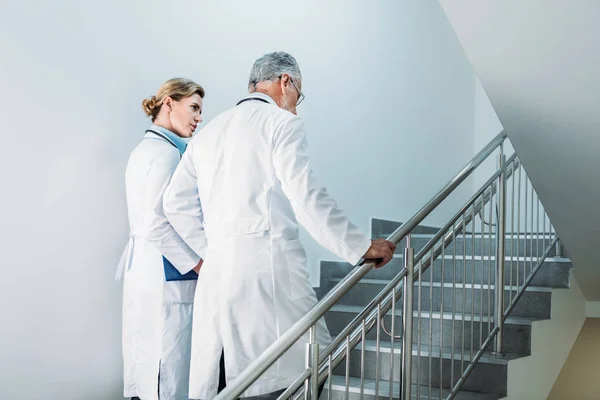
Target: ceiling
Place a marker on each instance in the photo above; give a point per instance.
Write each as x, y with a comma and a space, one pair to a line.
539, 63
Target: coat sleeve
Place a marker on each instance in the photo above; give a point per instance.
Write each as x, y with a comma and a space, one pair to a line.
315, 209
161, 233
182, 205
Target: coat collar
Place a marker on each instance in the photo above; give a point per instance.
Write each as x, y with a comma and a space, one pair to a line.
262, 96
178, 141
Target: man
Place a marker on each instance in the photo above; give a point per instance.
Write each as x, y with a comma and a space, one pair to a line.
245, 182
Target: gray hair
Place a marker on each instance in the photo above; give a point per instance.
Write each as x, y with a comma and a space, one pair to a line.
271, 66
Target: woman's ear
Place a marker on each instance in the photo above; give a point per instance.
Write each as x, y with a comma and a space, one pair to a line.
168, 102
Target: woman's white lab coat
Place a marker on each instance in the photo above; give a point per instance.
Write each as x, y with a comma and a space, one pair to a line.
240, 186
157, 315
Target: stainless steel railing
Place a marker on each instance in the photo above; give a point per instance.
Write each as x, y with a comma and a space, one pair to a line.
481, 278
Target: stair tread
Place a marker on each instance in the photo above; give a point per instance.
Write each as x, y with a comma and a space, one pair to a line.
458, 285
338, 383
487, 357
508, 235
436, 315
470, 257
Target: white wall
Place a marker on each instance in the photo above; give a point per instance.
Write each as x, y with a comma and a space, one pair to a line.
388, 87
403, 125
486, 127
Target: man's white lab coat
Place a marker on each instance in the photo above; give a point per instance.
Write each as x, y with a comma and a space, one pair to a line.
242, 186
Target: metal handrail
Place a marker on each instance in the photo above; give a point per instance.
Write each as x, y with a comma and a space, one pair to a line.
287, 340
486, 192
334, 354
384, 298
352, 334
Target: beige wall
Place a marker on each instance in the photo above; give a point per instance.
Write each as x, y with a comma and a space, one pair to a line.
579, 377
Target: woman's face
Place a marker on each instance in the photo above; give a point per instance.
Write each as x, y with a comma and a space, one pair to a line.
185, 115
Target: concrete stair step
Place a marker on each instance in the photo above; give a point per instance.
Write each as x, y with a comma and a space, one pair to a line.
473, 298
462, 331
339, 391
443, 367
553, 273
515, 245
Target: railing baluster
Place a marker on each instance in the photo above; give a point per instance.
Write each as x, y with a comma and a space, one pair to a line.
311, 384
363, 339
464, 293
537, 240
419, 326
553, 233
544, 229
512, 235
454, 244
392, 337
481, 280
330, 378
431, 270
531, 237
472, 281
549, 232
347, 394
526, 228
500, 257
443, 263
490, 266
519, 231
378, 351
407, 324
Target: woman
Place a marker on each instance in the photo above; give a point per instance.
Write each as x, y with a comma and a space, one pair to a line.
157, 310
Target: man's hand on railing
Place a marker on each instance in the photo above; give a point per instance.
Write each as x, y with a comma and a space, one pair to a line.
380, 252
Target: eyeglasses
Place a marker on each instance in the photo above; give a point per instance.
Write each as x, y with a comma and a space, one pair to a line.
300, 94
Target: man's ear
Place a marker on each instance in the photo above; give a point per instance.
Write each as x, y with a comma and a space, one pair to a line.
285, 80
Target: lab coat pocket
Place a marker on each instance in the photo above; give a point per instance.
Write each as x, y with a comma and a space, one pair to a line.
296, 262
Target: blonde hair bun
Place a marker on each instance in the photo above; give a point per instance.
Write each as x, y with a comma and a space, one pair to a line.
149, 106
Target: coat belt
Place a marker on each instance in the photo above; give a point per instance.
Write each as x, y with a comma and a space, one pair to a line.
126, 256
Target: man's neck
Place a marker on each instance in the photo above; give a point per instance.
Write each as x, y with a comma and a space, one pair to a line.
269, 90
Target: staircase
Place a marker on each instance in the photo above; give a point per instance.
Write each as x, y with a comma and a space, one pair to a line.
488, 380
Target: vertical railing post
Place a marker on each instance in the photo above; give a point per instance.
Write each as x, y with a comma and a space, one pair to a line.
559, 249
311, 385
500, 252
407, 321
